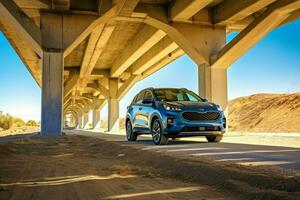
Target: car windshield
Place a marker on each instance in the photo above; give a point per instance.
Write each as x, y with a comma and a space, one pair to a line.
176, 95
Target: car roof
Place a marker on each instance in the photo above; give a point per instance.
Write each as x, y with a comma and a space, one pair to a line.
164, 88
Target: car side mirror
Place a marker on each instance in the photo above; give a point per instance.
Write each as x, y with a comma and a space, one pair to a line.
147, 101
205, 100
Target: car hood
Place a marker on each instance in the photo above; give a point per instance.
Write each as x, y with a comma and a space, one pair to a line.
198, 106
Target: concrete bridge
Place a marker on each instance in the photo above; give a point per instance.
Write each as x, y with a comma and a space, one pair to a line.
85, 53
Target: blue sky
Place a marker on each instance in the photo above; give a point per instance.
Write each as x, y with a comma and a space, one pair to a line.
271, 66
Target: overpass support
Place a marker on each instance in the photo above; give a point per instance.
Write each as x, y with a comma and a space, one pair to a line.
52, 94
79, 121
85, 120
207, 41
96, 118
113, 105
212, 84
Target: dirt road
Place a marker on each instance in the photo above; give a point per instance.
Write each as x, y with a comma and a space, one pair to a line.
79, 167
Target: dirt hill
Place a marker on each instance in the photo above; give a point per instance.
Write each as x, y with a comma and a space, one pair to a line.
265, 113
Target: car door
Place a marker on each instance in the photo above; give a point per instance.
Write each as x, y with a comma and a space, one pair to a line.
137, 118
145, 112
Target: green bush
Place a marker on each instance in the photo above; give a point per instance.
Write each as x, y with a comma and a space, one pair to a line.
6, 121
18, 122
32, 123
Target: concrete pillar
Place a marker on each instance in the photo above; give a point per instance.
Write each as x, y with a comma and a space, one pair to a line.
96, 118
113, 105
74, 121
52, 94
80, 121
85, 121
212, 84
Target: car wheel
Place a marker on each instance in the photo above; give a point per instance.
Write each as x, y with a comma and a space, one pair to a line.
130, 135
214, 138
157, 136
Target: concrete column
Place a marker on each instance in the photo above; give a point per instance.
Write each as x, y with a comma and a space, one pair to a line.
113, 105
74, 121
52, 94
208, 42
96, 118
212, 84
80, 121
85, 120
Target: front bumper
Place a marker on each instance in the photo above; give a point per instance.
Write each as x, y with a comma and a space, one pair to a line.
184, 128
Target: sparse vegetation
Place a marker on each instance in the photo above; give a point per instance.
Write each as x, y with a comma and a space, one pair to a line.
32, 123
10, 124
18, 122
6, 121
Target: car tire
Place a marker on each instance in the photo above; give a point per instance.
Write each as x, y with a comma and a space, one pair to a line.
130, 134
157, 136
215, 139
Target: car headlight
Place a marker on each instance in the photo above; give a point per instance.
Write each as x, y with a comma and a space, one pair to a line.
219, 108
172, 108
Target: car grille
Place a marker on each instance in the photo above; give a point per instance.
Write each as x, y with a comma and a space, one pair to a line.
198, 116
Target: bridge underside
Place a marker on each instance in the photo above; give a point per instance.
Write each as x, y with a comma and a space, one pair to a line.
85, 54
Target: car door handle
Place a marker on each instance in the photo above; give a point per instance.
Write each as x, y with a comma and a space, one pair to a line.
140, 108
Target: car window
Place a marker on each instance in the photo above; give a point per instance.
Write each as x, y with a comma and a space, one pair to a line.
176, 95
139, 98
191, 97
180, 97
148, 95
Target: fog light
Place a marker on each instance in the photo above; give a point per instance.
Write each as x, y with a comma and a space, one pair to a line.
170, 121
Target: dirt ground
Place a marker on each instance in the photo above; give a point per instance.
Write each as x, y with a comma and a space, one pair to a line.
19, 130
78, 167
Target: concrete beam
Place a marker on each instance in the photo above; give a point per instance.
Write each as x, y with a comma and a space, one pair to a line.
26, 29
100, 45
143, 41
230, 11
93, 38
183, 10
270, 19
293, 16
71, 83
103, 90
63, 5
127, 85
126, 7
181, 40
240, 25
163, 62
156, 53
71, 25
156, 16
101, 73
52, 94
100, 88
89, 28
87, 104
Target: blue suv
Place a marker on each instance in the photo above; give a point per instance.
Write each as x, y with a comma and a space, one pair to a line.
171, 113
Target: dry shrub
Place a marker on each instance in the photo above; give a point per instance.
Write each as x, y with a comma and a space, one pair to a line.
6, 121
32, 123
